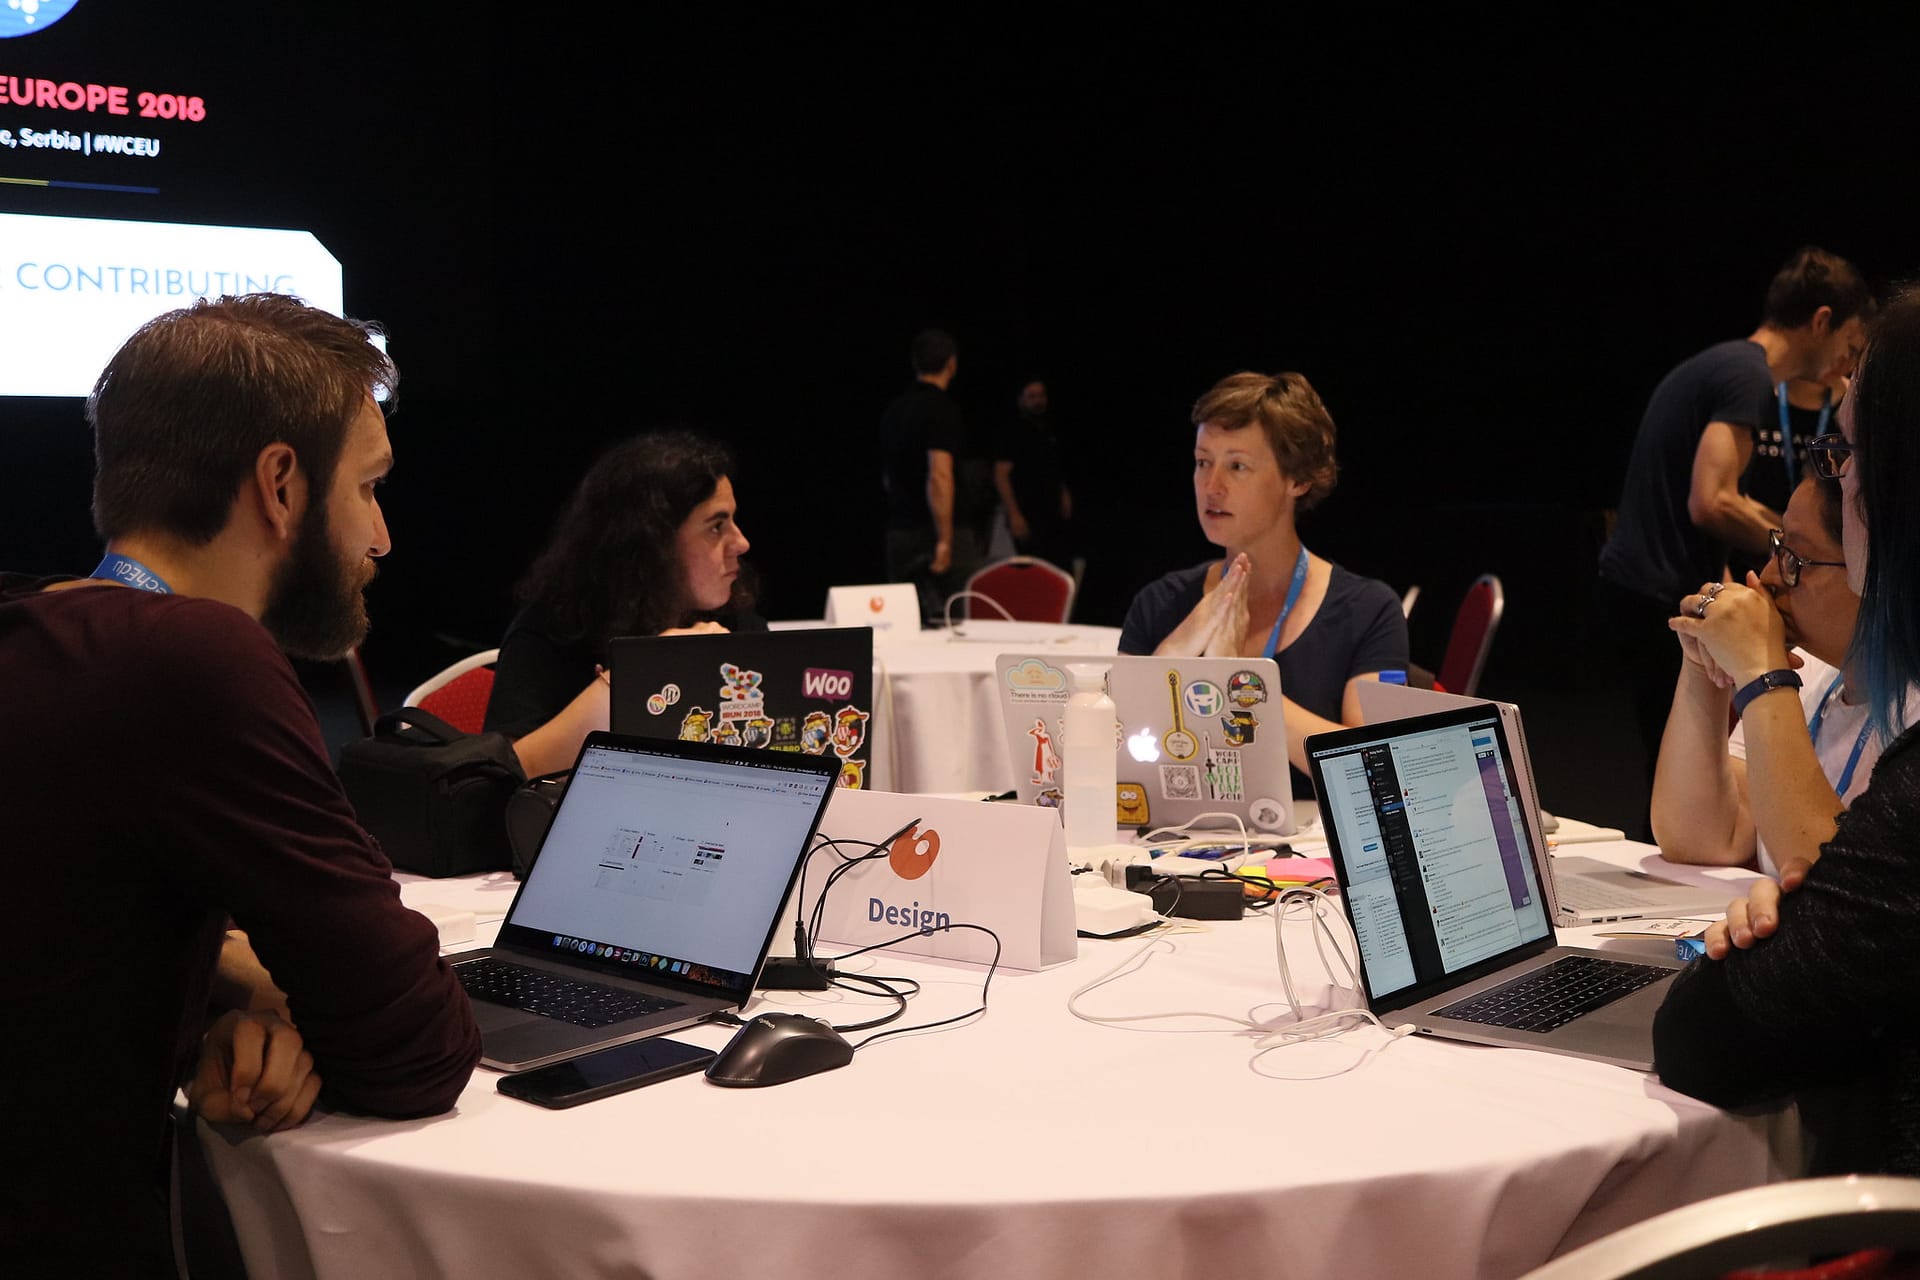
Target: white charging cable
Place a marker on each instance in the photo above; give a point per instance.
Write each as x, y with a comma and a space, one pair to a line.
1320, 908
954, 628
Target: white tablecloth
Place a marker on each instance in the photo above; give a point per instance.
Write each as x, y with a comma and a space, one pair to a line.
1028, 1143
940, 723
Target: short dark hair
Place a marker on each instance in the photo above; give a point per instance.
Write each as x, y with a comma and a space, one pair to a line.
1886, 452
184, 407
932, 348
609, 568
1813, 278
1292, 417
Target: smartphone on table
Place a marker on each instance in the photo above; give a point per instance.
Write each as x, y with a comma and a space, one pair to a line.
605, 1072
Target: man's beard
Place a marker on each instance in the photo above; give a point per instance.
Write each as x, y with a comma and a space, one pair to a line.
316, 608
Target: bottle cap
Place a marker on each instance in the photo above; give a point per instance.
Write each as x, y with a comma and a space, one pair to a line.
1088, 675
1393, 677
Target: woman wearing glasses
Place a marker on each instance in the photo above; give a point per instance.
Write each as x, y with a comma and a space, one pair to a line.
1807, 988
1729, 801
1262, 454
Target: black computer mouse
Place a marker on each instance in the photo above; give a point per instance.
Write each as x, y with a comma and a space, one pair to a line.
777, 1047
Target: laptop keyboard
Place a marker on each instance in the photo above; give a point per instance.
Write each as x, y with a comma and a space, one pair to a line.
1554, 995
584, 1004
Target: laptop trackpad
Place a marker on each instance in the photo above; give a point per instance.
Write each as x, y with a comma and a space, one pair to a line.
527, 1036
496, 1018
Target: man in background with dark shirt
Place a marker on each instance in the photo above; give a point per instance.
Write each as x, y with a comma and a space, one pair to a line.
1682, 508
195, 903
921, 433
1031, 476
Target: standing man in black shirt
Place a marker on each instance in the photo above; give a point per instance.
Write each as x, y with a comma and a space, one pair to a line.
1682, 508
1030, 474
921, 433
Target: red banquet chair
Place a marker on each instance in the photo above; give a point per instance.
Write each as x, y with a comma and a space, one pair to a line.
459, 693
1836, 1228
1473, 628
1027, 589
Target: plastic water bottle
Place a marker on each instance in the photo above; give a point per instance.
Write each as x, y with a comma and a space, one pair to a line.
1087, 760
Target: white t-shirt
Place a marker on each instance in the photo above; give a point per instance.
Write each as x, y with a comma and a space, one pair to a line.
1840, 730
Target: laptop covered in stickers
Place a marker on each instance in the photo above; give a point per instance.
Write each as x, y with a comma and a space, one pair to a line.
806, 690
1197, 739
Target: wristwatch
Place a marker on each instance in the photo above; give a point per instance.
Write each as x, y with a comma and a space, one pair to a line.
1780, 678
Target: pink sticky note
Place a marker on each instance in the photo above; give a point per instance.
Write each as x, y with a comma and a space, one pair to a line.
1299, 870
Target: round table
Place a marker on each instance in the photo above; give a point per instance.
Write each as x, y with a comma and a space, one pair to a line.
1028, 1142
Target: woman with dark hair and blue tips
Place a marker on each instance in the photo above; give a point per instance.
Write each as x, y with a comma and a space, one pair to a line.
1809, 987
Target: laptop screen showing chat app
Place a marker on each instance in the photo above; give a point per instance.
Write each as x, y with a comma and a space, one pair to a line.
1439, 872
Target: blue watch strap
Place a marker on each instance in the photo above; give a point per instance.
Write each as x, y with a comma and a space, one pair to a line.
1780, 678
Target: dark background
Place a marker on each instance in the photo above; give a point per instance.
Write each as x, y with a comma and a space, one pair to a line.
1484, 239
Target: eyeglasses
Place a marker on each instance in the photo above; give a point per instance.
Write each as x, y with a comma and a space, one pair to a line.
1831, 456
1791, 562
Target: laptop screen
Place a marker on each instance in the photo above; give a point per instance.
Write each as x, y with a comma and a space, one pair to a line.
808, 691
1425, 822
669, 860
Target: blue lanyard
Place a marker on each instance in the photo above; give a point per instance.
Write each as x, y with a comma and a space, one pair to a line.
1786, 431
1859, 744
1293, 594
119, 568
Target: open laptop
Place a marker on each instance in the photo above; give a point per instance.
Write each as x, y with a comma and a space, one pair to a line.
1197, 736
884, 606
807, 690
653, 901
1444, 881
1581, 890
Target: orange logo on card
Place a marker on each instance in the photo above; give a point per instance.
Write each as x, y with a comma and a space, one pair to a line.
875, 604
913, 852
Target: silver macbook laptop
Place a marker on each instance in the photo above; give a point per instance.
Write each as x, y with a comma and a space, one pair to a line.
653, 899
1444, 882
1197, 736
1581, 890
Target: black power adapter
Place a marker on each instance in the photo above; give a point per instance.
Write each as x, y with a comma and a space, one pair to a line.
793, 973
1194, 897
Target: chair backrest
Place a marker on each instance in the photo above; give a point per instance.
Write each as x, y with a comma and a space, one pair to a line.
1786, 1222
458, 694
1473, 629
1026, 587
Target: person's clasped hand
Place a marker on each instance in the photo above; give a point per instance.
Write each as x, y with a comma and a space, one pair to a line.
1214, 626
254, 1069
1734, 632
1757, 915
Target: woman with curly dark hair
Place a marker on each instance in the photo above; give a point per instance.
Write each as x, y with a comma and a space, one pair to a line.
646, 546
